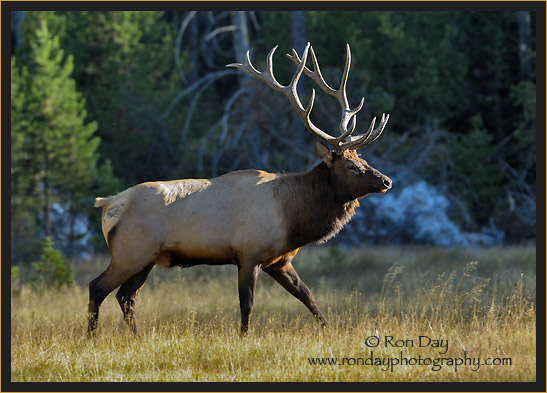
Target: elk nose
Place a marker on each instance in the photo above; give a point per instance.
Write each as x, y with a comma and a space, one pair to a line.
387, 182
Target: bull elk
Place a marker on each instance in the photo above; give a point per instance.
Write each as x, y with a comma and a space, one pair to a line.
250, 218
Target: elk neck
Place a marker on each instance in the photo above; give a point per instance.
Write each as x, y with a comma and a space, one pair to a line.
314, 209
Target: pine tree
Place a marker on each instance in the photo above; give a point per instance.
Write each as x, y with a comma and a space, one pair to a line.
53, 145
24, 231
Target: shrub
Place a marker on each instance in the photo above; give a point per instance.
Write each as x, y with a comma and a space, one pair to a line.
15, 283
14, 273
53, 270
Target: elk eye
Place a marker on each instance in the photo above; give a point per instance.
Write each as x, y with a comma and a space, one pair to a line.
351, 167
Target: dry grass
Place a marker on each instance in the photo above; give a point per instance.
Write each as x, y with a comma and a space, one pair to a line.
189, 320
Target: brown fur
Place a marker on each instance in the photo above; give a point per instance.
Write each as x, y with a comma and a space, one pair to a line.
253, 219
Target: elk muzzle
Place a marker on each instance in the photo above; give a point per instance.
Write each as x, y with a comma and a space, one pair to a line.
387, 183
382, 181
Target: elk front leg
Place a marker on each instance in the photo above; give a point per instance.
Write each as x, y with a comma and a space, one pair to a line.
288, 278
247, 276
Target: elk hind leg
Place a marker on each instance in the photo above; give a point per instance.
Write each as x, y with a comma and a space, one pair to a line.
101, 287
127, 295
289, 279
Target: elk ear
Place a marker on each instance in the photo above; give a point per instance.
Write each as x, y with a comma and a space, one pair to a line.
324, 153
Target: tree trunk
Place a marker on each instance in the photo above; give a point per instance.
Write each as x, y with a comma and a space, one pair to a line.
17, 30
47, 204
525, 33
241, 46
241, 37
194, 49
298, 38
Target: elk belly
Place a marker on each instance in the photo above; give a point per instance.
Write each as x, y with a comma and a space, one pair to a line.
191, 257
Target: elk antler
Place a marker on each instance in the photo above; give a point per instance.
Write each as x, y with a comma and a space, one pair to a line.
340, 94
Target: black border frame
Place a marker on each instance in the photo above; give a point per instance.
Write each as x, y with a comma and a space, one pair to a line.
8, 6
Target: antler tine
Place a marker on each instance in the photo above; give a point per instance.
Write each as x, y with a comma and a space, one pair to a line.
289, 91
296, 78
340, 94
248, 67
356, 140
295, 101
344, 80
269, 69
345, 120
368, 137
376, 133
315, 74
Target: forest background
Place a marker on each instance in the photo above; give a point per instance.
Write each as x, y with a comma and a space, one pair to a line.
103, 100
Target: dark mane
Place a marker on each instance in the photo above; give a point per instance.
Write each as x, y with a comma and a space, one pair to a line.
340, 221
313, 209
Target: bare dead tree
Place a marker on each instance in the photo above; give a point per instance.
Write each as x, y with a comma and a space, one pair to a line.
17, 31
525, 34
237, 137
241, 46
298, 38
204, 35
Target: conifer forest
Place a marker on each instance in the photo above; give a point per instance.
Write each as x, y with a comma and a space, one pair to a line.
104, 100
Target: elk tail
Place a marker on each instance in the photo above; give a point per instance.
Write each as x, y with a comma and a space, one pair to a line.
102, 202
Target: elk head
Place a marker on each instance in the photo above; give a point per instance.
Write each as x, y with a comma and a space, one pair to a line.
352, 176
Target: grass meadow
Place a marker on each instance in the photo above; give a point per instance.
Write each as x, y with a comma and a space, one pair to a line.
396, 314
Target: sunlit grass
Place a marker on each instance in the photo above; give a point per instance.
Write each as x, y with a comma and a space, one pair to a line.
481, 301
